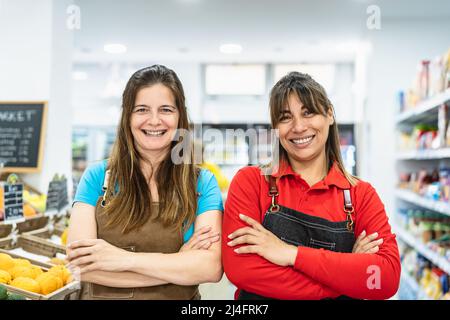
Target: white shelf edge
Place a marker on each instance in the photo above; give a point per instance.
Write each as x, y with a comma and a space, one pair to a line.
420, 247
424, 106
424, 154
411, 197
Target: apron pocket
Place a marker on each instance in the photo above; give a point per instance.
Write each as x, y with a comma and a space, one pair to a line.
313, 243
104, 292
98, 291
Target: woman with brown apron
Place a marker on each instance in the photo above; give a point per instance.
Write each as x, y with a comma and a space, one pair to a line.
304, 228
145, 223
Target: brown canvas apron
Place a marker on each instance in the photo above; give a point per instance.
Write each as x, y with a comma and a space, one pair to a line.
151, 237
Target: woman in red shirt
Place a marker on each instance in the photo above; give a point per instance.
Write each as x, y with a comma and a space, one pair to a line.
308, 230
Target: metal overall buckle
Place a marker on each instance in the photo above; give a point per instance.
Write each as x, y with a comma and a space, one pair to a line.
349, 218
274, 207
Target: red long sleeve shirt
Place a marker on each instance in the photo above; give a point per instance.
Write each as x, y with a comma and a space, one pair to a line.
317, 273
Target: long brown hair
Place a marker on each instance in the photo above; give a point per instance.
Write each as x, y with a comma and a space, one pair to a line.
128, 199
315, 99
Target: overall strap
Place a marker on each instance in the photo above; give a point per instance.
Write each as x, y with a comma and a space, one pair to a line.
105, 187
348, 208
273, 192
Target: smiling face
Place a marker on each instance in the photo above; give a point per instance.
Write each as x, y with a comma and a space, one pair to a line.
154, 120
303, 134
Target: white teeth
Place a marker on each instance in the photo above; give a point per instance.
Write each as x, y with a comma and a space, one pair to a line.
302, 141
154, 133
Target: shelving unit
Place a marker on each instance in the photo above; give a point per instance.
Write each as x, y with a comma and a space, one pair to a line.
410, 240
425, 110
430, 111
417, 292
411, 197
424, 154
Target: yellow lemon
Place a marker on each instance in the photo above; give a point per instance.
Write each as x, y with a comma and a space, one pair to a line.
62, 272
27, 284
5, 277
6, 262
49, 282
57, 261
36, 271
64, 236
22, 262
22, 271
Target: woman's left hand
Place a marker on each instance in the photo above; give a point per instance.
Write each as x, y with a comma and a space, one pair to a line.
261, 241
97, 254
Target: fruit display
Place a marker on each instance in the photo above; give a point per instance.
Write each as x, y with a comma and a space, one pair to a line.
57, 261
19, 273
35, 201
64, 237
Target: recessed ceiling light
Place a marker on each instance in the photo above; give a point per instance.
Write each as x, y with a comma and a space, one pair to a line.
79, 75
230, 48
115, 48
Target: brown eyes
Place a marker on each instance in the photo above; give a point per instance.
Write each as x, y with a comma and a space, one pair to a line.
285, 117
143, 110
288, 116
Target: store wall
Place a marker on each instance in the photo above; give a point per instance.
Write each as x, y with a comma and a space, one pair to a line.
35, 64
91, 108
95, 105
397, 49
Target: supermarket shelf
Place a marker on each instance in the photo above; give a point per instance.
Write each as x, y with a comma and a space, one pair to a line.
418, 245
411, 197
414, 286
410, 281
424, 109
443, 153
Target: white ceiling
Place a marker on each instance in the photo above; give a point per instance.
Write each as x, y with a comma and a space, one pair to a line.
267, 29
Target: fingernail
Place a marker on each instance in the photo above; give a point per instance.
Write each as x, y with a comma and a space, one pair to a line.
363, 233
241, 216
381, 240
230, 236
375, 234
236, 250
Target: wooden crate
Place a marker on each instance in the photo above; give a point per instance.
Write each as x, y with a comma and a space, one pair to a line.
60, 294
5, 230
33, 223
38, 245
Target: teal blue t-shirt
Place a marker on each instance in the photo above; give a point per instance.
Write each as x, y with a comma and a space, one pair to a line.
90, 189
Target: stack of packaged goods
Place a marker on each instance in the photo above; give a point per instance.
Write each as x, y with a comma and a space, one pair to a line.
432, 283
432, 78
432, 228
432, 185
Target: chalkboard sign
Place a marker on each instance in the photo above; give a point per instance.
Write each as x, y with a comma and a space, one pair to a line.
57, 197
22, 129
12, 201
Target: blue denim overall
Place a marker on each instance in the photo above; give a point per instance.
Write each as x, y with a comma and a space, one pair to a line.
301, 229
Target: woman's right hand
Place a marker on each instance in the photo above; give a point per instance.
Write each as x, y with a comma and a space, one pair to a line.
367, 244
203, 238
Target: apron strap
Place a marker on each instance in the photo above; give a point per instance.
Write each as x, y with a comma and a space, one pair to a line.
105, 188
273, 192
348, 208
